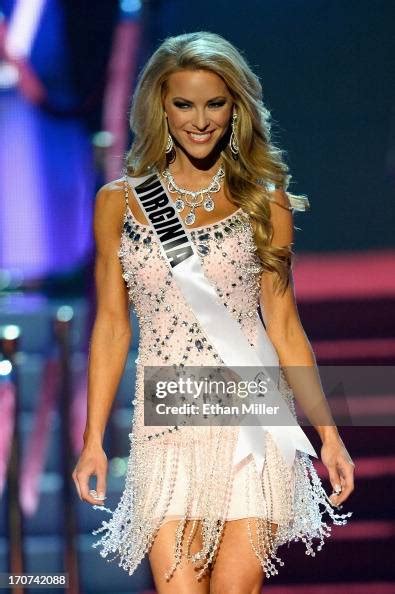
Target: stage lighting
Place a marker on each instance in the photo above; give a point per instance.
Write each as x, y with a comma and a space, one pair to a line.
9, 76
130, 6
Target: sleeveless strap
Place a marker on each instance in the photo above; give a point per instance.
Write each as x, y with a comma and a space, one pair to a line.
126, 189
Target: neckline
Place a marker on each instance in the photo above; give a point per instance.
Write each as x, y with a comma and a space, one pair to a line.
208, 226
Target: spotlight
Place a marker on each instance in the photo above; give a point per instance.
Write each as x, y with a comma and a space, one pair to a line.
9, 75
129, 7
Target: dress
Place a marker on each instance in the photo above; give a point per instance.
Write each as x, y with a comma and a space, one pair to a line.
187, 472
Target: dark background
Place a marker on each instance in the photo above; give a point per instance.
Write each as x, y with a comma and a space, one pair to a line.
327, 68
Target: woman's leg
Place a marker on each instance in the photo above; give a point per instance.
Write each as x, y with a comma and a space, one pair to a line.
236, 569
161, 557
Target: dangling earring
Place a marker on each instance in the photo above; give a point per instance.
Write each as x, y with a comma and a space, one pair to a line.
233, 143
170, 144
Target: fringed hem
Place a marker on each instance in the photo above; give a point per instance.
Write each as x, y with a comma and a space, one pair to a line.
190, 476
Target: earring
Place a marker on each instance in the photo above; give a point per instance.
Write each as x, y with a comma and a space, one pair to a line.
233, 143
170, 144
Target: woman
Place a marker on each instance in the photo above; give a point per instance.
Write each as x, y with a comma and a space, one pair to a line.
207, 524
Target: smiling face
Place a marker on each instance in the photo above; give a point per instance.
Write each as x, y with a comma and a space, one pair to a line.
199, 108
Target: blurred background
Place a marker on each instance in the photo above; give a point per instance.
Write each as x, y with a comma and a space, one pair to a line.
67, 73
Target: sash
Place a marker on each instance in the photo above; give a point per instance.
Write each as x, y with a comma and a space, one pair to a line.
224, 332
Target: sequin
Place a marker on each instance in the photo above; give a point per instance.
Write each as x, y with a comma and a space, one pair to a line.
204, 236
181, 472
203, 249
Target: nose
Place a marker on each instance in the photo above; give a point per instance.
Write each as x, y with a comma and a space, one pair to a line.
200, 120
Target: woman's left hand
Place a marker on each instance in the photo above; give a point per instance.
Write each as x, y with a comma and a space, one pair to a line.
337, 460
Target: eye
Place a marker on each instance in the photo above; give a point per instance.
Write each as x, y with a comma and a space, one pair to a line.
217, 104
181, 104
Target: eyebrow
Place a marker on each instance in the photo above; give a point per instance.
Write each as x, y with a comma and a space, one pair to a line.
209, 100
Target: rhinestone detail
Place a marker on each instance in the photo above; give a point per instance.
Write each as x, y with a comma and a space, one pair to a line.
293, 500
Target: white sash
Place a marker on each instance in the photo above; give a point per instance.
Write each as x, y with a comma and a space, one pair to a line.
223, 331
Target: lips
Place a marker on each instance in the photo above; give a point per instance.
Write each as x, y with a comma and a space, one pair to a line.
200, 138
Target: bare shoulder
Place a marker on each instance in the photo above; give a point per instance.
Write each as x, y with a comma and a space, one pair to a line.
111, 195
108, 213
110, 205
281, 218
279, 197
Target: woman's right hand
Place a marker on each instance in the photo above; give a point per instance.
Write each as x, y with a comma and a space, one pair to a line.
92, 461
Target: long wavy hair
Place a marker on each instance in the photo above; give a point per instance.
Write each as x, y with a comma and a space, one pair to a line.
260, 165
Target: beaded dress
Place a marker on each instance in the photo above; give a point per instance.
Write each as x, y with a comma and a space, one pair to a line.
187, 473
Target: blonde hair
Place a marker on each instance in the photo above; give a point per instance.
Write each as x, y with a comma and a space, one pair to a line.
259, 166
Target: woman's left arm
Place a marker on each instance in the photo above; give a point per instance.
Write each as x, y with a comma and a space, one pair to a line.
297, 358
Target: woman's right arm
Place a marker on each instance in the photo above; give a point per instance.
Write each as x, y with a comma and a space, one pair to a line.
110, 339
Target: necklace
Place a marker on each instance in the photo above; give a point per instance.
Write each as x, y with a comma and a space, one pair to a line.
194, 199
